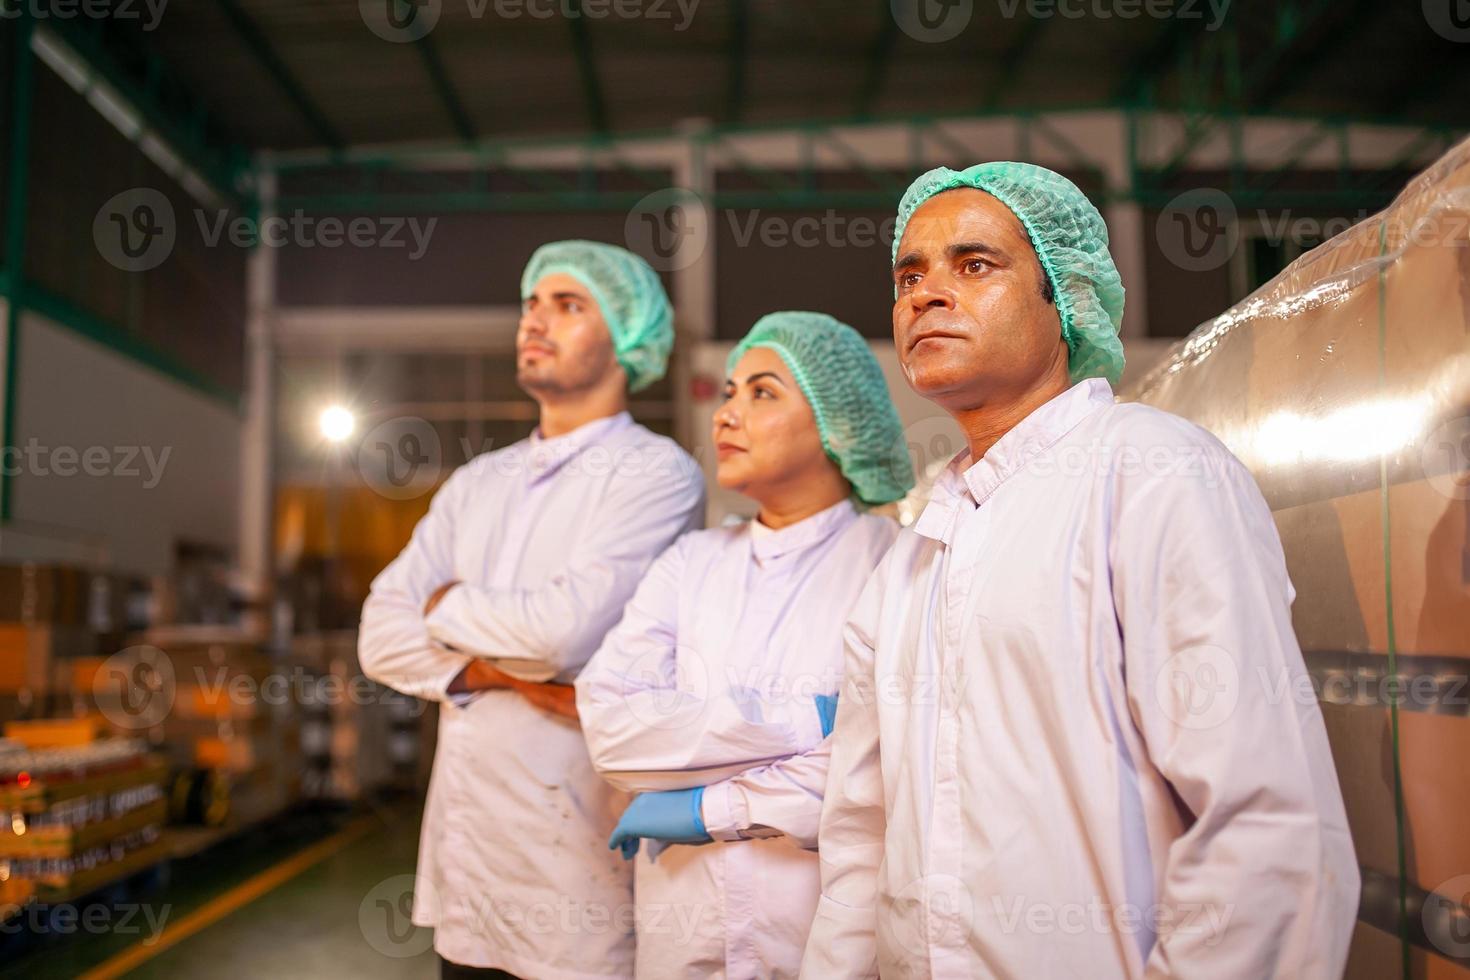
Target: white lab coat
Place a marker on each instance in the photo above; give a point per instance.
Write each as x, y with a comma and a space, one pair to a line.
709, 680
1072, 740
550, 538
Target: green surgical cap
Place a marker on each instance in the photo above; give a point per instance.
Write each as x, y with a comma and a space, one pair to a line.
629, 294
847, 392
1070, 240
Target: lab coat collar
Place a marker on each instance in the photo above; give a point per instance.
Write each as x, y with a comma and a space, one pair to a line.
768, 543
972, 483
544, 456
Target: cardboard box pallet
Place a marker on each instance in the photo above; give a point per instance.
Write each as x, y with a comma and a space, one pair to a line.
50, 733
60, 796
65, 841
71, 886
34, 592
15, 893
31, 654
36, 795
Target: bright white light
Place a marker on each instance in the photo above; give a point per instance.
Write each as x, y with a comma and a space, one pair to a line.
1360, 431
336, 423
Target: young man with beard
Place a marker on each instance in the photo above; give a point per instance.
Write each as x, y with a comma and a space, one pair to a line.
524, 561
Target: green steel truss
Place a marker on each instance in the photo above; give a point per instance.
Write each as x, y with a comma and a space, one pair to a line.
486, 176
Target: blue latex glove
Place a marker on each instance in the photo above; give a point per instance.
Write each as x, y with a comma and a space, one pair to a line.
827, 711
672, 816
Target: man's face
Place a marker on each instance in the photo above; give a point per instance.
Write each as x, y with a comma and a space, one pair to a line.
563, 345
971, 323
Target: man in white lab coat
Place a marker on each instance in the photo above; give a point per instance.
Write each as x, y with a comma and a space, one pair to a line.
525, 559
1070, 741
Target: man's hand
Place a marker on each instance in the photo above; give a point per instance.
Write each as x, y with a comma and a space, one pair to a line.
559, 699
479, 675
438, 594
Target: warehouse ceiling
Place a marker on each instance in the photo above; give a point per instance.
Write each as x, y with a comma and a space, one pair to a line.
289, 74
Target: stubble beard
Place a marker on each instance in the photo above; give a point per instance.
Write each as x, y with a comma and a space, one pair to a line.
576, 379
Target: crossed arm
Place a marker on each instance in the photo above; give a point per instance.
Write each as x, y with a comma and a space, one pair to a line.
437, 641
481, 675
658, 716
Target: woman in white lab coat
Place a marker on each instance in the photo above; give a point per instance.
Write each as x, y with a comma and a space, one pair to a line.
713, 696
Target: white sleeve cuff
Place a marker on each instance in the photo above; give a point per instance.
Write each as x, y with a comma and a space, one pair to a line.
462, 700
723, 811
459, 699
441, 618
435, 686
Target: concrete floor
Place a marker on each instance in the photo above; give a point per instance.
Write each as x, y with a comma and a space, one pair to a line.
344, 916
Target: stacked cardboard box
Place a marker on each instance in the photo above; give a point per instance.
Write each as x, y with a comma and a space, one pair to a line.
49, 616
358, 736
232, 727
218, 709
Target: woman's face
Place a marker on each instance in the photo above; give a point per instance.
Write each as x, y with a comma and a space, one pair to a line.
765, 434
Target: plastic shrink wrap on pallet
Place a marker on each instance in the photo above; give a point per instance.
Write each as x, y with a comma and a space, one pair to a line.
1344, 385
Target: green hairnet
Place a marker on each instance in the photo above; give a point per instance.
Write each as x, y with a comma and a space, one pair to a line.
1070, 240
844, 385
629, 294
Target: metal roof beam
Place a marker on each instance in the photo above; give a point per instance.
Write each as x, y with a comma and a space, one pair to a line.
738, 51
255, 41
1355, 19
20, 82
587, 67
80, 55
1014, 57
439, 76
1171, 42
654, 144
879, 57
